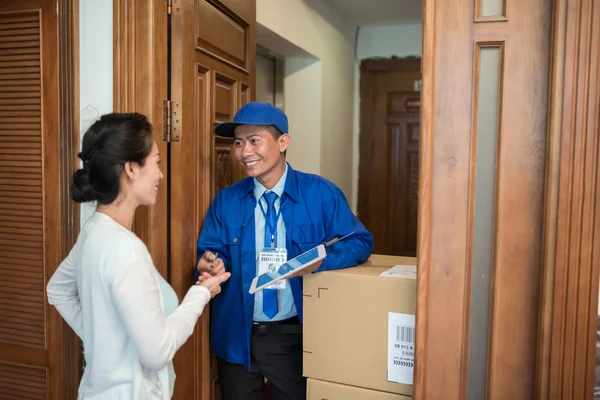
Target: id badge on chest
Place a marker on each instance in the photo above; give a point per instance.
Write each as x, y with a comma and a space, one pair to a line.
269, 260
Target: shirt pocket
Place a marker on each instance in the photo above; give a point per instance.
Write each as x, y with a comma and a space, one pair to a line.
305, 237
232, 239
231, 236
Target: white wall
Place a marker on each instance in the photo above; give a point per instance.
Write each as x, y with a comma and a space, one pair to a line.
403, 40
303, 104
265, 85
318, 87
95, 67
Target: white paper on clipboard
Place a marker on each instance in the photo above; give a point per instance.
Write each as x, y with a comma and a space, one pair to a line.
288, 268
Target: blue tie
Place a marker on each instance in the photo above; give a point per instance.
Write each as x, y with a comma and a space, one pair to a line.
270, 295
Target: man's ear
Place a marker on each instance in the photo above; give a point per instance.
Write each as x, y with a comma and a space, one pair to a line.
284, 142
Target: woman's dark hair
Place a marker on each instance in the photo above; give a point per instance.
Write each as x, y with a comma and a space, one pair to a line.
107, 145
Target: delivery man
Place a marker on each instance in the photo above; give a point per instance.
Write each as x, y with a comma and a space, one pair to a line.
277, 213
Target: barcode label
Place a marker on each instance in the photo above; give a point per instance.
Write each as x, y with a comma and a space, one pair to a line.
405, 334
401, 348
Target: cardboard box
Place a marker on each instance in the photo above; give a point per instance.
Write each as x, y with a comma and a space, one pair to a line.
322, 390
346, 330
380, 260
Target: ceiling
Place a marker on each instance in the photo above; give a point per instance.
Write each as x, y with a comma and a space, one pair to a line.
380, 12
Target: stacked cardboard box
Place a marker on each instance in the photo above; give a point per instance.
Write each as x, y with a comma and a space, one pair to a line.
359, 331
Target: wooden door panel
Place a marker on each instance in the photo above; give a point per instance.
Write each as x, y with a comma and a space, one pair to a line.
32, 362
140, 85
223, 169
22, 382
224, 93
22, 252
222, 34
404, 175
212, 74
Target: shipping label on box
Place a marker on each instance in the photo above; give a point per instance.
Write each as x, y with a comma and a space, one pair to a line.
401, 348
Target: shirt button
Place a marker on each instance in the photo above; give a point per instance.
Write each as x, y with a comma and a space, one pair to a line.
235, 240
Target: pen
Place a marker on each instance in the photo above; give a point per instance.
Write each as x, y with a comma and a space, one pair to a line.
336, 239
214, 260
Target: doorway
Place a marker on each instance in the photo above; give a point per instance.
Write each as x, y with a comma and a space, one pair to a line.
269, 77
388, 183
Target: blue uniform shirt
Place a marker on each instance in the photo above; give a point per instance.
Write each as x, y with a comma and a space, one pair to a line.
313, 210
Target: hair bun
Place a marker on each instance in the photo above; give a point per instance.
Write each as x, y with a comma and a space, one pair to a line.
82, 190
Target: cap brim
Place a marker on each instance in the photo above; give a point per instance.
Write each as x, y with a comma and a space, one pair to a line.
226, 129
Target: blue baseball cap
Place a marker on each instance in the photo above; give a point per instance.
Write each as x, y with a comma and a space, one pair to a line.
254, 113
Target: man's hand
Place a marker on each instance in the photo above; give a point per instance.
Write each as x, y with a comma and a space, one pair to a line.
213, 283
209, 263
307, 270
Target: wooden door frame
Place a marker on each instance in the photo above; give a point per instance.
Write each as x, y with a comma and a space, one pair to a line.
570, 271
64, 347
569, 303
68, 26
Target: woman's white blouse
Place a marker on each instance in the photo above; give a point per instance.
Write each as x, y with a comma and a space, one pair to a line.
112, 296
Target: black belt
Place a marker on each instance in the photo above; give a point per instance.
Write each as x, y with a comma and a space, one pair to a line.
291, 325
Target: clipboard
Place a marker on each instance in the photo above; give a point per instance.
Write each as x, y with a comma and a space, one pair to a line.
294, 265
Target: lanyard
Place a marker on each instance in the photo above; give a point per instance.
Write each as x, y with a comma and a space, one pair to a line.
272, 227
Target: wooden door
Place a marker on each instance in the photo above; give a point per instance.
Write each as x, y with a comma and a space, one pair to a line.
483, 161
38, 354
568, 339
389, 154
140, 80
212, 74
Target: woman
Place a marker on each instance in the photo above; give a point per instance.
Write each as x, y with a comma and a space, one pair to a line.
108, 289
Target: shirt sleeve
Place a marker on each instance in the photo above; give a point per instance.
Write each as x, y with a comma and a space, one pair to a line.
210, 236
63, 294
136, 292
